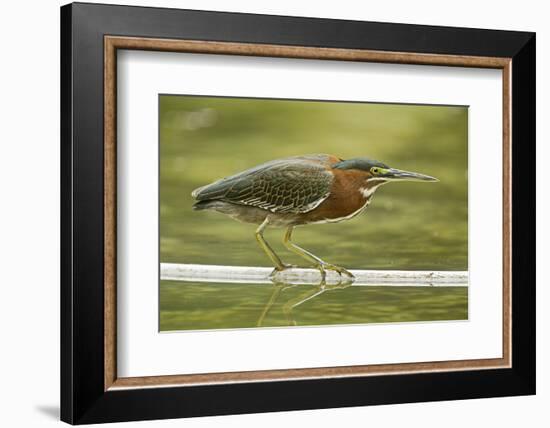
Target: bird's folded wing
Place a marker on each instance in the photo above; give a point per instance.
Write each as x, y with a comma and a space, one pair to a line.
285, 186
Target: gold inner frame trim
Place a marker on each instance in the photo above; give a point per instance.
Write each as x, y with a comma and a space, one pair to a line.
113, 43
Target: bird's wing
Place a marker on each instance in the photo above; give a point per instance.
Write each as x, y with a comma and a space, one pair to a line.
293, 185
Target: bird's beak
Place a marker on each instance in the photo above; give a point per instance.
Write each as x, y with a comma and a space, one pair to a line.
393, 174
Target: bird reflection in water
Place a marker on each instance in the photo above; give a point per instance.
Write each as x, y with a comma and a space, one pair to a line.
289, 305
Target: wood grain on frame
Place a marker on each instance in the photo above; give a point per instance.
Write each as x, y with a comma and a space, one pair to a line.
110, 218
112, 43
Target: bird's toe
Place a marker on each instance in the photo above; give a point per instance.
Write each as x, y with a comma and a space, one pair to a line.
340, 270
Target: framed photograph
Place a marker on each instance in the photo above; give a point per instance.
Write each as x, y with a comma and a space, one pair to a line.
265, 213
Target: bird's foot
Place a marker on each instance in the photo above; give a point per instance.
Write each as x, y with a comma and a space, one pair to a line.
323, 267
281, 268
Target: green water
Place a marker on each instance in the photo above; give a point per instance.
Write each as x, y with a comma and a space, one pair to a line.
409, 226
195, 306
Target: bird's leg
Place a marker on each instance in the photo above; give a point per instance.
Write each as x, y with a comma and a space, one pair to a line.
318, 263
279, 265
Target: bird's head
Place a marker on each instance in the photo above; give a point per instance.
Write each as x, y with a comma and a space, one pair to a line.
377, 173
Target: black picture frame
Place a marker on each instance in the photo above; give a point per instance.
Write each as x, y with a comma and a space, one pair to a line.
83, 396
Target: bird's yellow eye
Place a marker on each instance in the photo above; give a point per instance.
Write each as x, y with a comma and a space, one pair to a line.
375, 170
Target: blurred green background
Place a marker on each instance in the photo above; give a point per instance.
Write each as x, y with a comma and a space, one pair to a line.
409, 226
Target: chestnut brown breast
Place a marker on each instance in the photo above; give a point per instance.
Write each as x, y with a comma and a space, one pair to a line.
345, 197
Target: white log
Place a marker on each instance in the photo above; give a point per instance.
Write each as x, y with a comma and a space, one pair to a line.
260, 275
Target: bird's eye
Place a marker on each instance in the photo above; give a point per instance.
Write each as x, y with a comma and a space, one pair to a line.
375, 170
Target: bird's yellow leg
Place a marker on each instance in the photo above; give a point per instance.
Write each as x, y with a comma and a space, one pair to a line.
279, 265
318, 263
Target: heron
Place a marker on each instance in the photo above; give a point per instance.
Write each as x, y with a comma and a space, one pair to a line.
297, 191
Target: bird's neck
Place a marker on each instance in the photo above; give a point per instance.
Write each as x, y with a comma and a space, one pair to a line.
370, 187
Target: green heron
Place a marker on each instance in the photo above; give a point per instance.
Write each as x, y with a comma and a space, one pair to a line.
297, 191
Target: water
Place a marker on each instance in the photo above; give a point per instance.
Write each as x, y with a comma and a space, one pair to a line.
409, 226
196, 306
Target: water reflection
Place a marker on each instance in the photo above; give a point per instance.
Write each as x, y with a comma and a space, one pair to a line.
292, 302
207, 305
